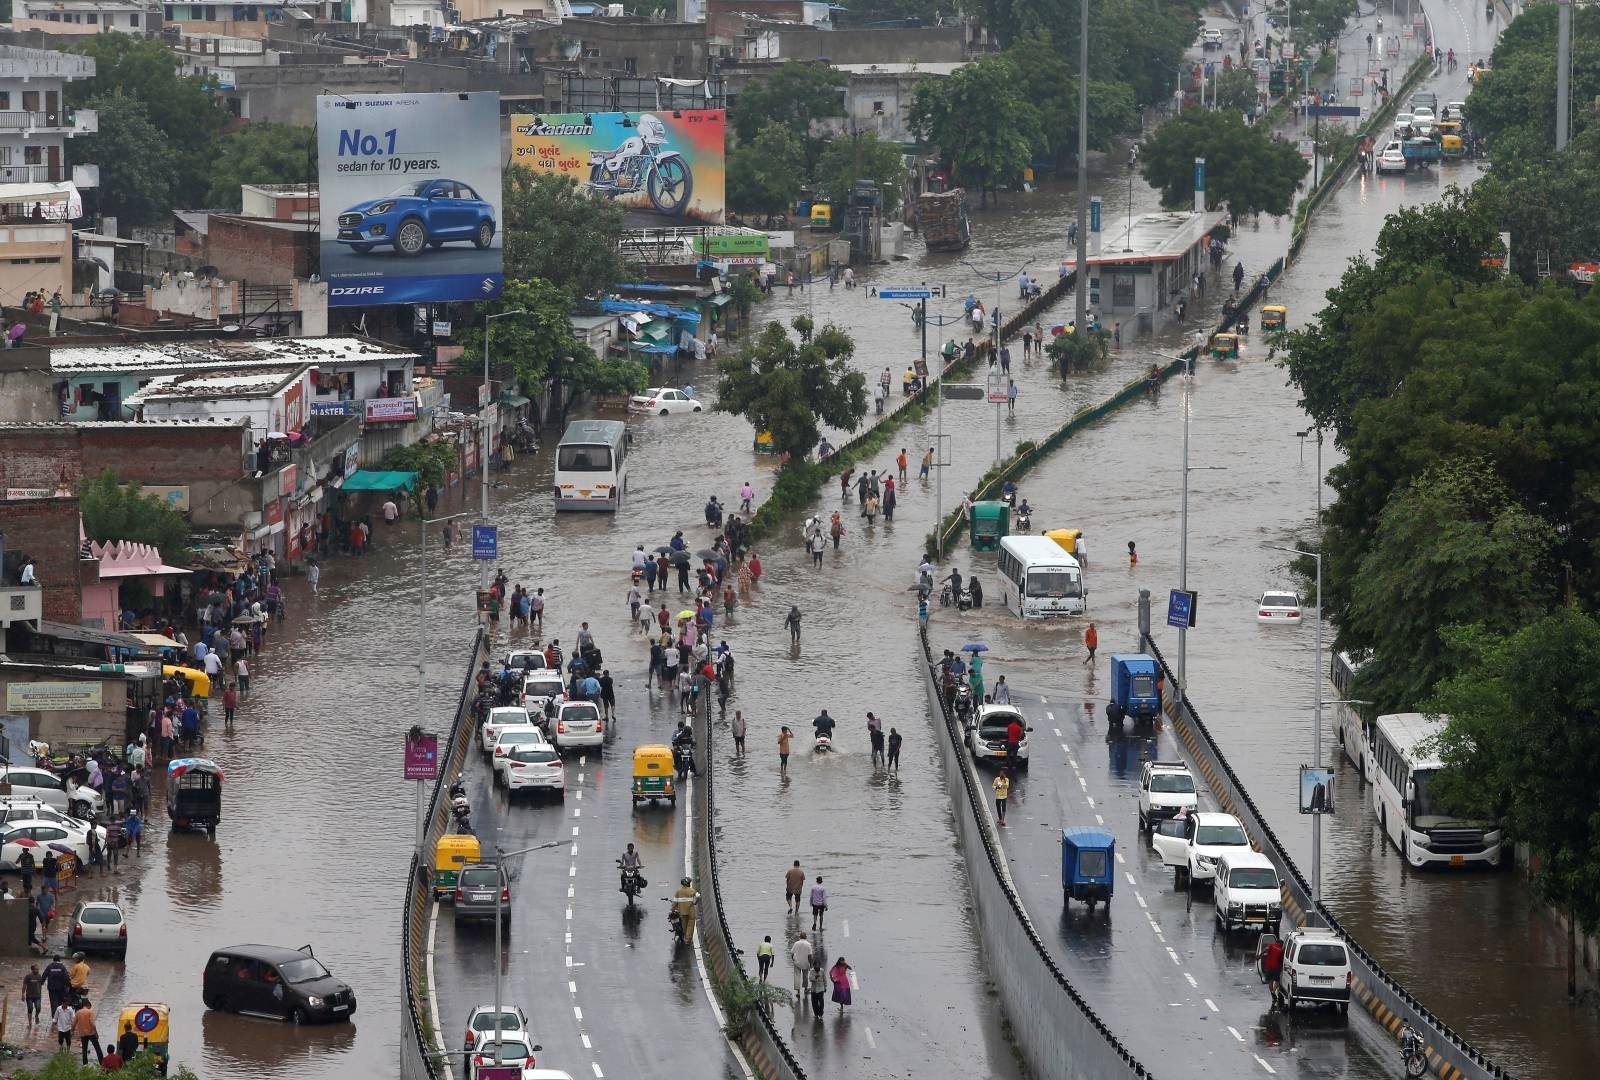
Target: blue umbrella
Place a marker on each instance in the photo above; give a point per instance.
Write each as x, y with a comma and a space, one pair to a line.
974, 647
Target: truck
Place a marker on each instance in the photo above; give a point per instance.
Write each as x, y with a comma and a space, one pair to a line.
942, 217
1421, 151
1135, 688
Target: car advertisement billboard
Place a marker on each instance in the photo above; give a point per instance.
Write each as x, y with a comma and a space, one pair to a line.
410, 195
666, 167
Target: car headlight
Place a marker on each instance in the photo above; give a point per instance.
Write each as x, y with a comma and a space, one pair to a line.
1204, 860
1235, 905
382, 208
314, 1001
1274, 909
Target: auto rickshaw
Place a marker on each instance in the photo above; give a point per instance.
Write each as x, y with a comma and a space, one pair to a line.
1452, 147
148, 1022
1066, 539
450, 854
990, 521
652, 774
194, 794
763, 443
1225, 346
199, 682
1274, 317
1088, 857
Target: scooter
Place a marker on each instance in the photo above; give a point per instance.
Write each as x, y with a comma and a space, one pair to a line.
963, 704
964, 601
682, 759
823, 744
675, 923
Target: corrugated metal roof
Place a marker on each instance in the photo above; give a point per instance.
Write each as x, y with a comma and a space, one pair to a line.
194, 355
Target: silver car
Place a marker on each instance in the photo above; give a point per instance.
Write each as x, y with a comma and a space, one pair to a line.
97, 926
479, 888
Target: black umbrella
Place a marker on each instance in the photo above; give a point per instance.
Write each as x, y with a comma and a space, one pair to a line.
664, 549
708, 554
680, 558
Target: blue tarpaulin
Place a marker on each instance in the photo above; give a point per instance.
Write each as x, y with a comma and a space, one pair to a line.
651, 347
659, 311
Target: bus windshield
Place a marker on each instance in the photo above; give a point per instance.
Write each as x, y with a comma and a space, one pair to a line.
1426, 813
584, 459
1053, 583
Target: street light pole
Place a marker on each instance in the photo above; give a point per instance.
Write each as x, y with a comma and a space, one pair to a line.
500, 858
1316, 739
422, 638
1081, 280
483, 457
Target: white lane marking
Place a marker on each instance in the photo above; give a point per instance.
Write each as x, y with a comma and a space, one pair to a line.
1058, 735
847, 928
569, 938
1120, 859
572, 987
1129, 875
580, 793
580, 777
595, 1065
585, 1039
575, 851
1142, 904
572, 871
1212, 1005
1235, 1033
433, 999
569, 959
574, 830
1099, 820
583, 759
569, 914
572, 891
870, 1040
577, 811
1049, 715
699, 953
1073, 762
1091, 801
1174, 954
1262, 1062
1084, 784
1044, 701
1065, 749
578, 1013
1192, 983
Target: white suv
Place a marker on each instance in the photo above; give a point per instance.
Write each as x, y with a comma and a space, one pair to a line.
534, 768
1316, 969
500, 717
1192, 845
987, 735
50, 789
1165, 789
541, 685
1246, 892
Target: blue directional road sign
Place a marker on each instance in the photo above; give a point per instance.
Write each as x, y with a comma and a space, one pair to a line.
485, 541
1181, 609
918, 293
1333, 110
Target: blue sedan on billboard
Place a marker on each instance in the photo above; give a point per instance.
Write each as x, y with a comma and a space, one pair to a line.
418, 215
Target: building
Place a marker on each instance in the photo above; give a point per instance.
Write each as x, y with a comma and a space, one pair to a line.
267, 399
115, 563
280, 202
35, 122
878, 98
1148, 265
253, 20
34, 255
65, 17
261, 250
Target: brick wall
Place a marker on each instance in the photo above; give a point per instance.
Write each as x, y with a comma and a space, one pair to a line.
40, 457
47, 529
159, 454
262, 254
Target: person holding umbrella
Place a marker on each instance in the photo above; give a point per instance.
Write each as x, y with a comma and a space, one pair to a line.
680, 559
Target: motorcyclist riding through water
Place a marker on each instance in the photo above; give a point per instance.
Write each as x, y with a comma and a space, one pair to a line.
633, 866
683, 748
822, 729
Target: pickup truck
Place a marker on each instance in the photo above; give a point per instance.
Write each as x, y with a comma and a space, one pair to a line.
1191, 845
1421, 152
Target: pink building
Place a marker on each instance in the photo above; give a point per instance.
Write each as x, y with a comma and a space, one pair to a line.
116, 562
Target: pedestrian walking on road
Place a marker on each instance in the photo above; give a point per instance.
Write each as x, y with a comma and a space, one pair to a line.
314, 573
1011, 398
839, 974
738, 726
819, 903
901, 461
1091, 641
242, 669
927, 463
32, 988
83, 1026
56, 983
764, 954
1002, 793
784, 735
817, 545
792, 620
894, 751
63, 1016
800, 954
875, 737
794, 883
230, 703
819, 987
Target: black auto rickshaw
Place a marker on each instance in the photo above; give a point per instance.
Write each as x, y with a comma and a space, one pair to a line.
194, 794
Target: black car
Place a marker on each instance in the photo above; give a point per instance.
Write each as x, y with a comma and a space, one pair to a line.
278, 983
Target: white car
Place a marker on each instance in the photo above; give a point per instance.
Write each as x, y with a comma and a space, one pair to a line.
1246, 893
535, 768
578, 723
98, 926
1316, 969
1455, 110
987, 734
664, 400
1192, 845
1166, 789
1392, 160
1422, 115
510, 738
1211, 38
1402, 124
514, 1048
539, 686
35, 783
524, 658
15, 809
1277, 606
499, 718
480, 1023
43, 834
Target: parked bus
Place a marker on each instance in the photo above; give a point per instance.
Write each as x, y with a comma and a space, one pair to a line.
1402, 797
592, 465
1038, 579
1351, 729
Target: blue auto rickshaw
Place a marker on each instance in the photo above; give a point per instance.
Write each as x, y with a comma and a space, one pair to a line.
1088, 861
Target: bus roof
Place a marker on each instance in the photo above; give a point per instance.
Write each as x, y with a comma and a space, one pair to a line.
1037, 549
1406, 731
600, 432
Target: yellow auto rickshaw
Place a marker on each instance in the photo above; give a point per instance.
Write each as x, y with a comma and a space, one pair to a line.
763, 443
199, 682
450, 854
1066, 539
147, 1021
1225, 346
1452, 148
652, 774
1274, 317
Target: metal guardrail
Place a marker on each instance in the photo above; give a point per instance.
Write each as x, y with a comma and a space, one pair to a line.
1058, 1032
1449, 1055
419, 1057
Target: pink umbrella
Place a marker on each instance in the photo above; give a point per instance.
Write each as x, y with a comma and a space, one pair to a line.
25, 842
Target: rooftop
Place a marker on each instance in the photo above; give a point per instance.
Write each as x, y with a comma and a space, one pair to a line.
18, 61
101, 425
195, 355
236, 383
912, 68
1157, 238
36, 7
295, 190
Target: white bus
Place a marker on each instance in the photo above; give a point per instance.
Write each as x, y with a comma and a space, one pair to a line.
1349, 726
592, 465
1038, 579
1403, 799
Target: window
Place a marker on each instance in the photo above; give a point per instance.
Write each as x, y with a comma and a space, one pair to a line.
103, 916
630, 65
5, 99
1221, 836
297, 971
1122, 290
1172, 783
584, 459
1253, 877
1320, 955
33, 155
133, 20
1091, 864
1052, 584
877, 108
92, 17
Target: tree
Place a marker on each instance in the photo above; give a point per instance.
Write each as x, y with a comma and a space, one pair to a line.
1547, 204
764, 174
136, 163
1513, 105
559, 232
113, 510
1236, 90
790, 389
610, 373
261, 154
535, 345
1451, 548
1245, 170
981, 122
1521, 746
861, 156
1052, 86
1317, 22
181, 107
63, 1066
793, 95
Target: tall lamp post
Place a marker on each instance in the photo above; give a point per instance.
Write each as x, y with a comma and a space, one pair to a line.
1183, 512
500, 858
483, 457
938, 409
999, 277
1081, 280
422, 634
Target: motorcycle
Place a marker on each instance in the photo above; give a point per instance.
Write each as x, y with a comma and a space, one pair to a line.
1024, 521
964, 704
682, 758
964, 600
1413, 1054
640, 163
633, 883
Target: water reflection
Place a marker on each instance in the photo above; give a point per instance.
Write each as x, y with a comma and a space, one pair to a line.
245, 1045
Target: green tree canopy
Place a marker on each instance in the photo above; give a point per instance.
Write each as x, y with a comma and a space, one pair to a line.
791, 389
1522, 746
1514, 105
1451, 548
1236, 90
536, 345
560, 232
861, 156
64, 1066
793, 95
983, 124
261, 154
1051, 84
764, 174
113, 510
1245, 170
136, 162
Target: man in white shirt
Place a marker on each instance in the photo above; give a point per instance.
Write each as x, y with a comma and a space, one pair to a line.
800, 953
27, 573
213, 663
391, 512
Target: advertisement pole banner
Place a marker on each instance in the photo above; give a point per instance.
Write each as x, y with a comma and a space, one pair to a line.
410, 192
667, 168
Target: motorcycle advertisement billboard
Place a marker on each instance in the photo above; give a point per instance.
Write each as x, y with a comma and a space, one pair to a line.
410, 194
665, 167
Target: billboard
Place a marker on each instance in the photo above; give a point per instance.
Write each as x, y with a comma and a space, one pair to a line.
1316, 790
410, 194
666, 167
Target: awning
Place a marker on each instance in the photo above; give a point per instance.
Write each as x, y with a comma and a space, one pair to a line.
652, 347
375, 480
513, 401
70, 632
719, 300
157, 641
657, 330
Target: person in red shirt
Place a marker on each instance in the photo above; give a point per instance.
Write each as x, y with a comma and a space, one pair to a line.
1013, 739
1272, 968
230, 702
112, 1061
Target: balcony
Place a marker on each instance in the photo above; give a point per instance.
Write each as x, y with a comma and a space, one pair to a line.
68, 122
21, 603
31, 174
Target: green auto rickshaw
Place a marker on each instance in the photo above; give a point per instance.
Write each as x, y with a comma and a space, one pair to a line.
990, 521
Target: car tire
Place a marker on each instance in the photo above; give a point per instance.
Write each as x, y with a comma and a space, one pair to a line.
665, 412
361, 249
411, 238
695, 409
297, 1017
1344, 1008
484, 236
122, 953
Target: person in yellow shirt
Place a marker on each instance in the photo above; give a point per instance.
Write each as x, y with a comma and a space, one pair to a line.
78, 974
1002, 793
684, 900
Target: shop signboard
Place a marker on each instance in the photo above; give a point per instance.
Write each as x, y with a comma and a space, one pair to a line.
391, 409
53, 696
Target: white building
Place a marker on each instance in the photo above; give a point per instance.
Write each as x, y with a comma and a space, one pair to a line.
81, 17
270, 399
35, 123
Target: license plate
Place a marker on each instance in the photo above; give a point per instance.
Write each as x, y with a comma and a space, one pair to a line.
1457, 860
1322, 978
482, 896
341, 1008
